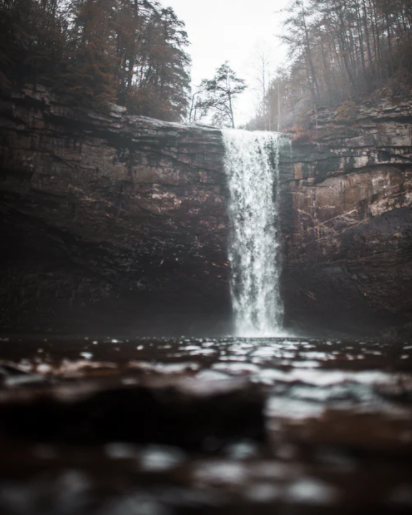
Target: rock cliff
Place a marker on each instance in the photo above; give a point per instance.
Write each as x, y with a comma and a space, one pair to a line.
347, 220
117, 224
111, 223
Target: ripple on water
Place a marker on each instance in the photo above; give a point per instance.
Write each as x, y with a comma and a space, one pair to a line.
120, 451
160, 458
263, 492
241, 349
311, 491
305, 364
208, 344
221, 473
308, 393
203, 352
236, 368
322, 377
212, 375
320, 356
241, 450
269, 470
136, 505
293, 408
264, 352
165, 368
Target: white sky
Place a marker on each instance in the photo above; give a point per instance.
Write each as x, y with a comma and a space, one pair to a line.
231, 30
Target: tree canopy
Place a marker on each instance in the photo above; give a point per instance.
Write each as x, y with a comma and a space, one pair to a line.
338, 51
218, 95
131, 52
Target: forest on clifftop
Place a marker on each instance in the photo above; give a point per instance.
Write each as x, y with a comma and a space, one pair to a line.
135, 53
340, 52
129, 52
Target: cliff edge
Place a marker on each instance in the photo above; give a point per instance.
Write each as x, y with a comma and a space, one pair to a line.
110, 222
117, 224
347, 220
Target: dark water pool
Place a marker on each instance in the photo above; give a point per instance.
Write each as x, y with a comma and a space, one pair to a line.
174, 426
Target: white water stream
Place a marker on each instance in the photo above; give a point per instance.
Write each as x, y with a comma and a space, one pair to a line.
252, 166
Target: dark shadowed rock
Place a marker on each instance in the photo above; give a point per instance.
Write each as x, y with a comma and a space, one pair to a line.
109, 218
118, 224
347, 222
182, 411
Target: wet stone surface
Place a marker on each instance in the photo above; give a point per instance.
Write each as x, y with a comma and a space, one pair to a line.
235, 426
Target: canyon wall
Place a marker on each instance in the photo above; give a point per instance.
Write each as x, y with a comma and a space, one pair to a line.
347, 221
117, 224
110, 223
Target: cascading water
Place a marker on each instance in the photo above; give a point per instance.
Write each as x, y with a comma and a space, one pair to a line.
252, 166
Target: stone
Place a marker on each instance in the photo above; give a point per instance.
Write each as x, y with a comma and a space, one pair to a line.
346, 225
108, 219
118, 224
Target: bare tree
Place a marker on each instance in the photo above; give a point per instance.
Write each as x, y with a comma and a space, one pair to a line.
340, 50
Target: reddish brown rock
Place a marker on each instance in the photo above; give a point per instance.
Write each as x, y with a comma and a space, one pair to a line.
347, 222
110, 223
118, 224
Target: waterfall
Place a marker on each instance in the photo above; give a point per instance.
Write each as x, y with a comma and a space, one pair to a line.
252, 166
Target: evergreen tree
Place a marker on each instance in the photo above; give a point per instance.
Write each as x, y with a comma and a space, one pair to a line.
340, 51
162, 78
91, 61
220, 94
131, 52
31, 42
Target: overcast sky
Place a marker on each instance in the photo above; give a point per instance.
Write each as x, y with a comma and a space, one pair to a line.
221, 30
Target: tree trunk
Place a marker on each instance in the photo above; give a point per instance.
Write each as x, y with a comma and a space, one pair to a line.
368, 44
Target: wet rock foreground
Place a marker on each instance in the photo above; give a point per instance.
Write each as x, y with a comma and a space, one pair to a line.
164, 427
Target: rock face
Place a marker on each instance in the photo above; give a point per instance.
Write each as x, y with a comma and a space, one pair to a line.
347, 221
111, 223
118, 224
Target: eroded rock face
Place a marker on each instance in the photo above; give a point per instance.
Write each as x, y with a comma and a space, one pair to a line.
347, 222
118, 224
109, 218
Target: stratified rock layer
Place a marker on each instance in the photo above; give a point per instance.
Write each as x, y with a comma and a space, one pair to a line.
347, 221
117, 224
110, 222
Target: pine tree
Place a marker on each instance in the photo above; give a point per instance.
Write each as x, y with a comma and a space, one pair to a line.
131, 52
31, 41
162, 76
91, 60
220, 95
